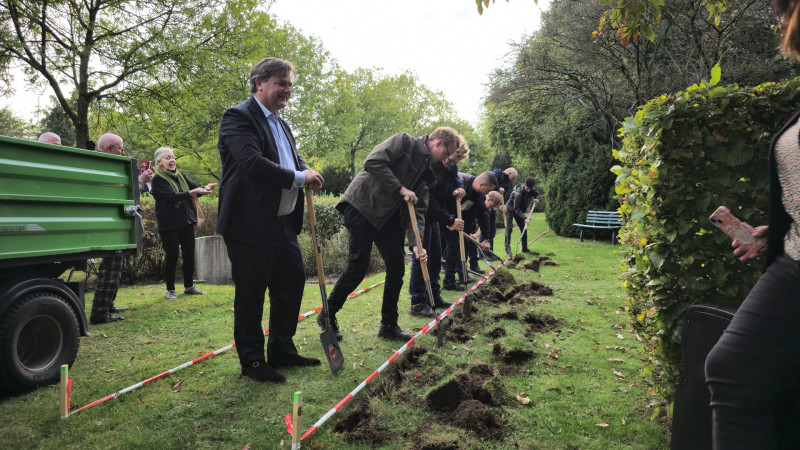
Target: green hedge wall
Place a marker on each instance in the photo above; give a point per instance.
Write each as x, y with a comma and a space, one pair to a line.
682, 156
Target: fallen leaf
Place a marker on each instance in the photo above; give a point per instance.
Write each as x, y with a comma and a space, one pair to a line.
177, 385
603, 425
523, 400
417, 374
618, 373
581, 321
620, 336
109, 370
318, 446
623, 422
616, 360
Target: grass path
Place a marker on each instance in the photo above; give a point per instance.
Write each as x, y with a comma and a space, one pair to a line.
583, 379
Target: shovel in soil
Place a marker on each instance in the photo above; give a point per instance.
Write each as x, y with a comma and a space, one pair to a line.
330, 345
467, 298
487, 254
425, 275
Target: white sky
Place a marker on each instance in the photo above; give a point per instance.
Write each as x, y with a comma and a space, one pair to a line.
396, 35
399, 35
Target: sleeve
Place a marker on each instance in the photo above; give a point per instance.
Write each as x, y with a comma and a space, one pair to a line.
163, 193
240, 137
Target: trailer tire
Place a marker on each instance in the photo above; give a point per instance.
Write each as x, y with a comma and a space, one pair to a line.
38, 334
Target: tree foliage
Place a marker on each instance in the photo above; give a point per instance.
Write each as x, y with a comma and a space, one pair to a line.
11, 125
98, 48
569, 91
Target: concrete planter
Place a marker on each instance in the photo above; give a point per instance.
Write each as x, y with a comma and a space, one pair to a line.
211, 260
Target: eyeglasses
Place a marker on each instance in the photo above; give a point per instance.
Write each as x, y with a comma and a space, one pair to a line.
446, 150
111, 147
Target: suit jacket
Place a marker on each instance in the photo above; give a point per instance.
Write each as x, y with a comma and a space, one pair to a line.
252, 177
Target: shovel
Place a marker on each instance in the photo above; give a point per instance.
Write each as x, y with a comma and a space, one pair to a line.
467, 298
486, 254
330, 345
424, 266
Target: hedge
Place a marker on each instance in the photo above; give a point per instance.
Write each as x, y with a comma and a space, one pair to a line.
148, 265
682, 156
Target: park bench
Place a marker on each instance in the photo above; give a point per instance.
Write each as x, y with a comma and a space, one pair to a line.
601, 220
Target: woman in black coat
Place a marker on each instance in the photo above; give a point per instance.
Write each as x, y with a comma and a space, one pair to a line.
175, 193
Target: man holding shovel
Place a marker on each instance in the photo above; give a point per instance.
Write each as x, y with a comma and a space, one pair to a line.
515, 209
260, 216
375, 211
440, 194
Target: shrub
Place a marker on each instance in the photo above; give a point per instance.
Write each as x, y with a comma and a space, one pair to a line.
682, 156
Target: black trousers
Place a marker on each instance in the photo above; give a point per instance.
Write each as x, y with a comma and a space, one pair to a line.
510, 227
184, 237
432, 243
277, 264
755, 365
389, 240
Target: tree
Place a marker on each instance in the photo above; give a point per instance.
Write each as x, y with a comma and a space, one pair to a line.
367, 107
97, 48
13, 126
58, 122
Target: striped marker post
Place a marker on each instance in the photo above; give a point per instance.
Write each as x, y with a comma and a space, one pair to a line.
397, 353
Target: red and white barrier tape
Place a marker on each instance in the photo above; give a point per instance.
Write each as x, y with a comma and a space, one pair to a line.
397, 353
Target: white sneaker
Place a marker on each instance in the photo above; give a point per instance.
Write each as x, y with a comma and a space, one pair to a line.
172, 295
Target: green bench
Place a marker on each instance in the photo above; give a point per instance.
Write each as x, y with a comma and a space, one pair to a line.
601, 220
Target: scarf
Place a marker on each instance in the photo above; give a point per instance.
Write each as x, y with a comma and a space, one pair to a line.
171, 177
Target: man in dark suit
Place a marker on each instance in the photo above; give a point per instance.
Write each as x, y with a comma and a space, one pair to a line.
260, 216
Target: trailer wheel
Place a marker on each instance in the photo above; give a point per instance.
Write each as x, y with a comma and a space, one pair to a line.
38, 334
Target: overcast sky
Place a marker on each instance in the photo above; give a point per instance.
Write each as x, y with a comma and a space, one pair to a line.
399, 35
446, 43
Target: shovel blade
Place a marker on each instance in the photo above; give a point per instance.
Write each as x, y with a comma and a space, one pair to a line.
330, 345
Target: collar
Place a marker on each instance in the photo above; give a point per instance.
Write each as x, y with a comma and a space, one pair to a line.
267, 113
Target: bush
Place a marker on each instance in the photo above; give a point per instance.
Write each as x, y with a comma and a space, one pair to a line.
579, 182
682, 156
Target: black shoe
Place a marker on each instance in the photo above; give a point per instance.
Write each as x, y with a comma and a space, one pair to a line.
107, 319
525, 250
393, 333
475, 268
260, 371
441, 304
114, 309
422, 310
469, 281
293, 361
334, 324
508, 252
451, 285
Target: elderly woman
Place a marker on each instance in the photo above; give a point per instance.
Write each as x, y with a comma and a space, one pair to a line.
174, 193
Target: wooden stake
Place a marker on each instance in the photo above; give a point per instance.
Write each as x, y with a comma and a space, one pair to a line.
297, 420
64, 391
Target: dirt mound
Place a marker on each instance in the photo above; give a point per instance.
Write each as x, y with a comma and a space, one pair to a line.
540, 322
533, 265
502, 278
530, 290
480, 369
448, 396
511, 314
474, 416
460, 334
496, 333
513, 356
360, 425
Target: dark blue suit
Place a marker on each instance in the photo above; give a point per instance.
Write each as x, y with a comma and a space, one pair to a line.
262, 247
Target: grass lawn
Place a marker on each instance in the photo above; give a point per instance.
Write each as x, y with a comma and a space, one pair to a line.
542, 371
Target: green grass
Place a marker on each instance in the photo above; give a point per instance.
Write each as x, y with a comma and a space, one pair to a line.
570, 380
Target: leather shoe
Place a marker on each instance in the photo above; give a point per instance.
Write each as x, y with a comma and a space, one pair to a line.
293, 361
525, 250
260, 371
107, 319
393, 333
114, 309
441, 304
451, 285
475, 268
422, 310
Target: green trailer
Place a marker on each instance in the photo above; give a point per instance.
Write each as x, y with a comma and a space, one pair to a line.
59, 206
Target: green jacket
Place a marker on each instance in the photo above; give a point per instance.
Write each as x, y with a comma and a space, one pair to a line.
401, 160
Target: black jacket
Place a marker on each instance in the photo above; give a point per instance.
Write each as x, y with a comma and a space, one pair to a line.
173, 209
252, 177
519, 201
